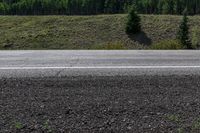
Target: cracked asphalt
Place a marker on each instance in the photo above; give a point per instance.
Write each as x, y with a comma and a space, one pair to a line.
66, 100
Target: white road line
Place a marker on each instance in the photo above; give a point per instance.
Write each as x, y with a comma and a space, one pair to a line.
95, 67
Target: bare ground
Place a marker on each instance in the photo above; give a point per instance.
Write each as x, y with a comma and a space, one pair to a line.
139, 104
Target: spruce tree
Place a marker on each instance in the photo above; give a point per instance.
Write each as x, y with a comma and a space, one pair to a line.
133, 25
183, 32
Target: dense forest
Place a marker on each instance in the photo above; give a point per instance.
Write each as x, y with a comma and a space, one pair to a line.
89, 7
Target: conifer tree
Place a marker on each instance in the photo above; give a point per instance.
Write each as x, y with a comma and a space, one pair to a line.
133, 25
183, 32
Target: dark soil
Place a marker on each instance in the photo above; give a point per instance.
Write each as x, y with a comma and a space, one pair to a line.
139, 104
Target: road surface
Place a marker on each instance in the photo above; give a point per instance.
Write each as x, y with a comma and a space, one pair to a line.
100, 91
76, 63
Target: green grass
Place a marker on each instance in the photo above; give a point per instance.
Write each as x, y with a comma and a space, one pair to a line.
87, 32
47, 127
18, 125
174, 118
196, 125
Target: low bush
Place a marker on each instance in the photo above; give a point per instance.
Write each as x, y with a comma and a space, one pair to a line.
167, 45
110, 46
195, 37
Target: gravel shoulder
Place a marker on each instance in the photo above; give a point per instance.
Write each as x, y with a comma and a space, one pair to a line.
150, 104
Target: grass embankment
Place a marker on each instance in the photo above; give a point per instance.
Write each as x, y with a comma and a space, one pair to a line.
88, 32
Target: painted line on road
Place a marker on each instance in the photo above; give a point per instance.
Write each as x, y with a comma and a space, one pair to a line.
96, 67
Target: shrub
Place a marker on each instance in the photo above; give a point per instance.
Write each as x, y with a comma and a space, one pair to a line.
195, 37
167, 45
133, 25
110, 46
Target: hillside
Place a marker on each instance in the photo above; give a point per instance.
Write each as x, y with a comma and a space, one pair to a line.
87, 32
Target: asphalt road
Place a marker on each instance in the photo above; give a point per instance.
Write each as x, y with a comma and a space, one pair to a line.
103, 63
100, 91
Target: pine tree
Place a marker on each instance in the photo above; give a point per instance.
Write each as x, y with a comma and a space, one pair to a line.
183, 33
133, 25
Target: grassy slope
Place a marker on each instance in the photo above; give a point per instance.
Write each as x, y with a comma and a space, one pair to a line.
83, 32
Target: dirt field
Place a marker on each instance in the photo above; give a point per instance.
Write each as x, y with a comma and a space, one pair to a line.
139, 104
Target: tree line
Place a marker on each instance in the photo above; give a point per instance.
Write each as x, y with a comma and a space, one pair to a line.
90, 7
